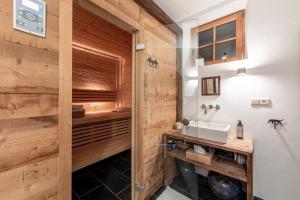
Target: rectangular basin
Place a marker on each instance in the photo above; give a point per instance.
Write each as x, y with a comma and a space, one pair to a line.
206, 130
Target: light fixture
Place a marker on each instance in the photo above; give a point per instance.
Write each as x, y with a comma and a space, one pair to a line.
241, 71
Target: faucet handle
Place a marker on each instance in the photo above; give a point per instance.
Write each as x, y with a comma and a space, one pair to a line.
210, 107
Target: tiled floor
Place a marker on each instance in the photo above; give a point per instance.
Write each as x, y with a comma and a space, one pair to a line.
171, 194
109, 179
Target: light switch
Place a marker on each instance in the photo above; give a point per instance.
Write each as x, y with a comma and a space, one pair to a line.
265, 101
261, 101
255, 101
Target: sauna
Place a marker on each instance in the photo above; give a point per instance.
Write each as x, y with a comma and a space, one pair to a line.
101, 88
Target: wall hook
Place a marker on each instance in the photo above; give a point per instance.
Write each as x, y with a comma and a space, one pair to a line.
152, 62
276, 122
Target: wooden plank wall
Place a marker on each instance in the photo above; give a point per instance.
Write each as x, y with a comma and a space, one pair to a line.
110, 39
29, 87
156, 95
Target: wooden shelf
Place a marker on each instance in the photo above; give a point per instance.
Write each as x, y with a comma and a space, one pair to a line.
225, 167
233, 144
99, 117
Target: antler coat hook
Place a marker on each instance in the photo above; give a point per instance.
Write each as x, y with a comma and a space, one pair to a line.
276, 122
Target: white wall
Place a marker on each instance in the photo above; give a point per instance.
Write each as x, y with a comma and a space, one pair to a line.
273, 42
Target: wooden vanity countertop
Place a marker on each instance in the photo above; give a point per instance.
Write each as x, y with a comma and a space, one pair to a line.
242, 146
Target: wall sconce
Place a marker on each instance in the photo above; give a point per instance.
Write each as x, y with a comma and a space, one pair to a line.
241, 71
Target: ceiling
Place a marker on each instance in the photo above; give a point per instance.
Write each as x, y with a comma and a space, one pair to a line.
180, 10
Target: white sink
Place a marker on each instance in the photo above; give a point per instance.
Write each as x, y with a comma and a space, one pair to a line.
207, 130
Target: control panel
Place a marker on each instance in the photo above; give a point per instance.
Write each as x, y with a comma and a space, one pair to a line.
30, 16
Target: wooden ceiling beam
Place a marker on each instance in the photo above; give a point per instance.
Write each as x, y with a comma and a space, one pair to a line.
153, 9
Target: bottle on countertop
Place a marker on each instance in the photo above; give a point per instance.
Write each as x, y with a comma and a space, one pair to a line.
240, 130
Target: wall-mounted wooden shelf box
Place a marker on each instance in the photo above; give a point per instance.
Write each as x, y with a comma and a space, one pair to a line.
191, 155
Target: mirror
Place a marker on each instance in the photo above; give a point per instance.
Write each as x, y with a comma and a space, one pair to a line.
211, 86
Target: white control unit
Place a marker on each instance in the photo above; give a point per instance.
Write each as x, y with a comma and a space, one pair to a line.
30, 16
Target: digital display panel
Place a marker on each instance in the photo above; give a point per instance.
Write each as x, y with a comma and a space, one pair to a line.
31, 5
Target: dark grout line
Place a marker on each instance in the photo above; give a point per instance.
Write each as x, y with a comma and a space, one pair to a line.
104, 184
123, 189
74, 192
91, 190
111, 191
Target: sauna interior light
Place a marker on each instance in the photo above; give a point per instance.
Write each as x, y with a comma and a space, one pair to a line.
241, 71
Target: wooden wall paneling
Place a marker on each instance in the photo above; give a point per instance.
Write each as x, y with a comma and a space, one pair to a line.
29, 108
94, 72
27, 70
7, 32
65, 100
112, 42
159, 100
27, 140
33, 181
127, 11
27, 105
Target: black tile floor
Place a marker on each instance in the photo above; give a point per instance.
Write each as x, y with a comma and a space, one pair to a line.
109, 179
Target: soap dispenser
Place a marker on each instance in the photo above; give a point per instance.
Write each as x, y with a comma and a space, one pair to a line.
240, 130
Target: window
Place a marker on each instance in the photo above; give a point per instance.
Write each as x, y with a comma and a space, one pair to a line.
221, 40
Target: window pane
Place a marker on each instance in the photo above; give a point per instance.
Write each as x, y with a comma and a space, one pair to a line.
228, 48
206, 53
226, 31
206, 37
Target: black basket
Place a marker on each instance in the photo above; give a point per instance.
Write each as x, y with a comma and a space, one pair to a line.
223, 187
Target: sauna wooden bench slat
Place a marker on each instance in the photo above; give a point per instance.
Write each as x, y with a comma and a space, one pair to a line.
244, 147
95, 151
98, 117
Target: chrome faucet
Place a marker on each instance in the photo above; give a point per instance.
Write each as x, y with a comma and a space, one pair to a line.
209, 107
203, 107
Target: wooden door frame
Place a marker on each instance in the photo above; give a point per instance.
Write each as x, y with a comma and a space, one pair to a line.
65, 100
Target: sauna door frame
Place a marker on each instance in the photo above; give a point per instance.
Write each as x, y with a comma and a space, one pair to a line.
65, 97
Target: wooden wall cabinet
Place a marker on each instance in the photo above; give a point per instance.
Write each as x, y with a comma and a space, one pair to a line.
222, 40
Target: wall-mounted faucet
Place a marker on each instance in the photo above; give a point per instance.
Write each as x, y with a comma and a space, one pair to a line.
203, 107
209, 107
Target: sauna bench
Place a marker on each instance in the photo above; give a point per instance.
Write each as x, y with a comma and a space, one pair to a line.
225, 167
99, 136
